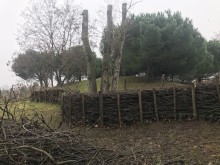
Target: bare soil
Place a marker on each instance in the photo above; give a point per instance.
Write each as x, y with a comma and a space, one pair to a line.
175, 142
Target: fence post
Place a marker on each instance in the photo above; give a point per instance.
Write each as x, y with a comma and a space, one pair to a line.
35, 96
38, 96
194, 101
155, 105
83, 109
174, 102
217, 88
140, 106
62, 108
119, 111
70, 110
45, 95
32, 96
125, 85
101, 109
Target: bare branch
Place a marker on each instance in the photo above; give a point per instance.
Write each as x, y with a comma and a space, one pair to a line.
38, 150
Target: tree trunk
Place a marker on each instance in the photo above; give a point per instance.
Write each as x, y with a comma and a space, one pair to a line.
107, 52
51, 80
118, 49
218, 76
41, 83
90, 61
80, 78
58, 78
45, 82
199, 79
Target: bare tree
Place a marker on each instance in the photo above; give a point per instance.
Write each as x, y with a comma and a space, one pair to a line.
107, 51
118, 47
52, 28
113, 41
90, 60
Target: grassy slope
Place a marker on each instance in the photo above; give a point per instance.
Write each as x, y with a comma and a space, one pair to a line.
133, 83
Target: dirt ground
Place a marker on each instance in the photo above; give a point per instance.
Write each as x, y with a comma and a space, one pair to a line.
182, 142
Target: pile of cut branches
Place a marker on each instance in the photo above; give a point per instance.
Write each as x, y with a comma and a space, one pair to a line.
30, 143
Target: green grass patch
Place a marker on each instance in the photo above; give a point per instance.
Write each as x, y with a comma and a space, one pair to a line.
133, 83
50, 112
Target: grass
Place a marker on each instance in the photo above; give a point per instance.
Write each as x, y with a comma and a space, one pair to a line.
50, 112
133, 83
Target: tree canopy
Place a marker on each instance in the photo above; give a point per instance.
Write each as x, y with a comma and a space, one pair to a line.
213, 46
37, 66
32, 65
163, 43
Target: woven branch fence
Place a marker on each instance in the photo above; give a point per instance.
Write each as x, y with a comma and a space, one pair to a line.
47, 95
117, 109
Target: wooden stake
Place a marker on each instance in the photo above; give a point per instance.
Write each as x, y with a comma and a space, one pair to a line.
174, 102
140, 107
62, 108
119, 111
217, 88
218, 91
194, 101
155, 105
125, 85
45, 95
35, 96
101, 109
83, 110
70, 110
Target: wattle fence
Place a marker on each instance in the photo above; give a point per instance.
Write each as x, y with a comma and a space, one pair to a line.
117, 109
47, 95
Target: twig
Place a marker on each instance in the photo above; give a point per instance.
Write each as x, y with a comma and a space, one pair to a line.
28, 130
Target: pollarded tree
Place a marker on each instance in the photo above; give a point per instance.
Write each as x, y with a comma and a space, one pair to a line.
113, 42
106, 50
90, 63
118, 44
50, 27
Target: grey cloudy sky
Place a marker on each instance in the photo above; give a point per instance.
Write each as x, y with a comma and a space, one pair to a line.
204, 13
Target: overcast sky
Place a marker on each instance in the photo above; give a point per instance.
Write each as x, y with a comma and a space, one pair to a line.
204, 13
